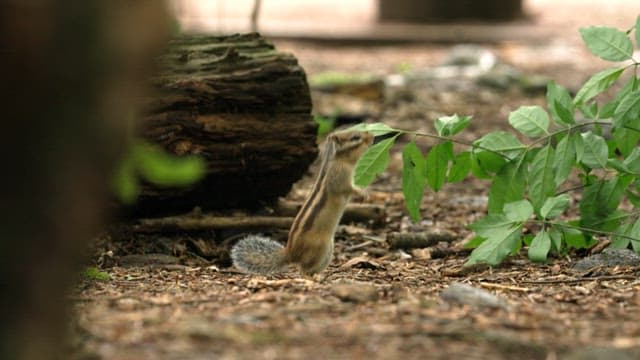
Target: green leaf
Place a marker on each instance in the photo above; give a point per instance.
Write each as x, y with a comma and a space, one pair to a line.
451, 125
494, 150
489, 162
540, 246
629, 230
532, 121
499, 244
554, 206
560, 103
633, 160
501, 142
125, 181
637, 30
574, 238
619, 166
491, 223
589, 110
628, 111
608, 110
596, 151
438, 164
626, 140
373, 162
414, 178
518, 211
565, 158
474, 243
578, 143
541, 177
164, 169
607, 43
460, 168
600, 200
598, 83
325, 124
556, 239
376, 129
635, 234
508, 185
93, 273
633, 198
476, 168
621, 242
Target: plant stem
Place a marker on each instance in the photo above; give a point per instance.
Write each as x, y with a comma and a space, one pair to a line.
583, 229
457, 141
568, 129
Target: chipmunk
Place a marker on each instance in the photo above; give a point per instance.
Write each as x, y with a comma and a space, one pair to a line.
310, 242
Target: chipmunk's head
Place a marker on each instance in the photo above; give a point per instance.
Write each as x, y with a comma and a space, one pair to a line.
350, 145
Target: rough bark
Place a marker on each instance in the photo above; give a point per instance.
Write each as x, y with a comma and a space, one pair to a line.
240, 104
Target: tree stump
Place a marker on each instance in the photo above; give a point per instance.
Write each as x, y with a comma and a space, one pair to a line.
240, 104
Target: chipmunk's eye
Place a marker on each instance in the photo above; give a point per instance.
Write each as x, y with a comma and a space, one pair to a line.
355, 137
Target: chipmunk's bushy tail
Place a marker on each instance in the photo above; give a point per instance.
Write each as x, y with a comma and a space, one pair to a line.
259, 255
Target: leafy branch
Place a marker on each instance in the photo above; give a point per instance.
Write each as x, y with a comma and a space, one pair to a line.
525, 178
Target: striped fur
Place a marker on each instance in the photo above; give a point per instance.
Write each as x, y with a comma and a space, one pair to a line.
310, 241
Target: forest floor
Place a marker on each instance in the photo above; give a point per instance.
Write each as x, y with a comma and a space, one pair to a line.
374, 301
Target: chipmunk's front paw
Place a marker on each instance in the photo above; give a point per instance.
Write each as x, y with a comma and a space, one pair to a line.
361, 192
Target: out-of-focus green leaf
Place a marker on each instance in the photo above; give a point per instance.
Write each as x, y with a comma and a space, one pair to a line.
607, 43
531, 121
598, 83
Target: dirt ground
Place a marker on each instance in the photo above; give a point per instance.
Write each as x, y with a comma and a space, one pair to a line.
374, 302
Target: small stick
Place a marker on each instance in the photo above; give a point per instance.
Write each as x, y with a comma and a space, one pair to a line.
407, 241
504, 287
359, 246
214, 222
578, 280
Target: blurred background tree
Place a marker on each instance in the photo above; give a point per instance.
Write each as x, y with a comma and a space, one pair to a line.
71, 75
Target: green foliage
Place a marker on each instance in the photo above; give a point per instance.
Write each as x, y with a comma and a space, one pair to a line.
92, 273
438, 164
532, 121
149, 162
528, 181
325, 125
414, 178
333, 78
607, 43
597, 84
373, 162
451, 125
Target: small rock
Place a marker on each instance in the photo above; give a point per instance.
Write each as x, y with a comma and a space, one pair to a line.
355, 292
464, 294
608, 258
127, 304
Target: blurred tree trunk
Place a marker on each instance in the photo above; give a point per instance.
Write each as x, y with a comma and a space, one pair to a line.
449, 10
240, 104
70, 72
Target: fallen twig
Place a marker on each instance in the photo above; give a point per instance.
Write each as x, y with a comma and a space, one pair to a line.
582, 279
504, 287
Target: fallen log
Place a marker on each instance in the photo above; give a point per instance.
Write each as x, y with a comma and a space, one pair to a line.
241, 105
